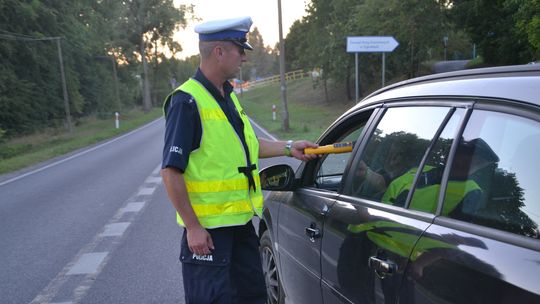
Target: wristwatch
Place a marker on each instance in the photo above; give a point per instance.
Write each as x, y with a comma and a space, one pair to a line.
288, 147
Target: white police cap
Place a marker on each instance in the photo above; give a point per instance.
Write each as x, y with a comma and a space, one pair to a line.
233, 30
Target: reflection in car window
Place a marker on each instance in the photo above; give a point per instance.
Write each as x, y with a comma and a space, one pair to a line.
333, 165
394, 152
426, 191
498, 157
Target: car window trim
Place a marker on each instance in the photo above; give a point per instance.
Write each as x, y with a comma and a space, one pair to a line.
370, 123
451, 156
358, 151
509, 107
430, 148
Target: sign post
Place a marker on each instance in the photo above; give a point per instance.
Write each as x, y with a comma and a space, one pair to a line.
370, 44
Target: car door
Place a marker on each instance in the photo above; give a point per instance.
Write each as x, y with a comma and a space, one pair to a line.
301, 214
368, 238
485, 249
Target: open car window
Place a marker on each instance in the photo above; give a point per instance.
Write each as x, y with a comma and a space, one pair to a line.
330, 168
333, 165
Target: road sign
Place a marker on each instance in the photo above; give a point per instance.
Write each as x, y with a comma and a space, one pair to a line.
371, 44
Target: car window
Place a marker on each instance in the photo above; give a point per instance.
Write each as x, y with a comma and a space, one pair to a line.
332, 166
426, 190
393, 153
494, 172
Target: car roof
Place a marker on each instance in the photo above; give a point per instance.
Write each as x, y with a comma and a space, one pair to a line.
519, 83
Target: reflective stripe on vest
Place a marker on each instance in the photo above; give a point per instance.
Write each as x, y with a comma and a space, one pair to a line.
218, 192
425, 198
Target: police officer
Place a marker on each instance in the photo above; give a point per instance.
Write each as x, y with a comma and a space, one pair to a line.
210, 172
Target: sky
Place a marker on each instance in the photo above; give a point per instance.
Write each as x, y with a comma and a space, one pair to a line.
263, 12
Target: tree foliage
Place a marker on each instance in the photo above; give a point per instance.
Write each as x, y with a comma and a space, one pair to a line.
260, 61
98, 38
504, 31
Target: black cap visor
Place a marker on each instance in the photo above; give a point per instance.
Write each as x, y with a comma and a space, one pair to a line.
242, 43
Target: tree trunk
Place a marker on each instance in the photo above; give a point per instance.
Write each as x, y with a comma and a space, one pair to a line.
147, 102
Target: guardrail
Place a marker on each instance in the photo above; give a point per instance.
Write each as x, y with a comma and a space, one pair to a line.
293, 75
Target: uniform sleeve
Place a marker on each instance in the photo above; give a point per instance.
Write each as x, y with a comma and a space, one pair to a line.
182, 131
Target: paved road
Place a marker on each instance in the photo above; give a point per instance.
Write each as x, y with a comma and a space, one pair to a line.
93, 227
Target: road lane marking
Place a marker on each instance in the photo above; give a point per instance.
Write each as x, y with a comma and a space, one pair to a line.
88, 263
133, 207
115, 229
153, 180
77, 155
146, 191
77, 276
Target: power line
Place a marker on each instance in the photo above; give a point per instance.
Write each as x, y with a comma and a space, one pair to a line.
11, 37
15, 36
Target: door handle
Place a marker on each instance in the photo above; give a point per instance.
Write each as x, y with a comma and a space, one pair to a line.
383, 268
313, 233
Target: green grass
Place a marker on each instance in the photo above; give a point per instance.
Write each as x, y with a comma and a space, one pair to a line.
25, 151
309, 115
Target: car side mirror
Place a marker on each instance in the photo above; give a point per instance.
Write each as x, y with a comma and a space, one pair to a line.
277, 178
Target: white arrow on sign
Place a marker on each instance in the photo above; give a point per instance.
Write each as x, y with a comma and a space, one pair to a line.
371, 44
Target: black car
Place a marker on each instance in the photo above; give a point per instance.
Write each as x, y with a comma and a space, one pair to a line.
438, 202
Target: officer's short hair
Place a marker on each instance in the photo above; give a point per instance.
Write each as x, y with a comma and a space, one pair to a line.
206, 48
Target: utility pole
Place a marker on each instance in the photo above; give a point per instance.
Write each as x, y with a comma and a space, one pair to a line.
61, 62
283, 87
64, 86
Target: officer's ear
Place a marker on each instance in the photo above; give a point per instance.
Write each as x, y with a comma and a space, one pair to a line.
218, 50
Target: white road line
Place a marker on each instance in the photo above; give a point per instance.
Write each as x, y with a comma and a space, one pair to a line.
146, 191
133, 207
76, 155
153, 180
263, 130
88, 263
115, 229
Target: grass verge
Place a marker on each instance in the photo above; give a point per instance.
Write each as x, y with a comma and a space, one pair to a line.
25, 151
309, 114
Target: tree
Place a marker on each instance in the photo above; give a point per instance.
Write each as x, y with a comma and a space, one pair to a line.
528, 21
148, 25
506, 31
260, 61
418, 25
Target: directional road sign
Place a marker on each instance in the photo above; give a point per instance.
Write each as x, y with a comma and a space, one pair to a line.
371, 44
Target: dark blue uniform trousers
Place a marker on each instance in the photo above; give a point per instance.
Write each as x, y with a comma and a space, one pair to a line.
232, 273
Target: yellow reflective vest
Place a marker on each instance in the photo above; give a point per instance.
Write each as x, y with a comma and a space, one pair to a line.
218, 191
425, 196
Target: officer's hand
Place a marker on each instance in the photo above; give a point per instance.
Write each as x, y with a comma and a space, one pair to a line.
199, 241
297, 150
